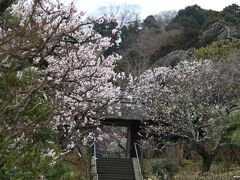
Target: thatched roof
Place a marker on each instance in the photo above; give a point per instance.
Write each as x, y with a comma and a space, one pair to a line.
127, 110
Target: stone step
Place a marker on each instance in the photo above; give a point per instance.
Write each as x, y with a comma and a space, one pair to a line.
114, 159
115, 169
114, 177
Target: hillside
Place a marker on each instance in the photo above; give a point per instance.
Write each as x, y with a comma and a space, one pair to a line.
161, 41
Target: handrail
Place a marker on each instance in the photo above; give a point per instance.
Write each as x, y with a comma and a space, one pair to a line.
136, 151
94, 157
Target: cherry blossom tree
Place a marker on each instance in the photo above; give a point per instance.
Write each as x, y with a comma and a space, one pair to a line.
56, 47
190, 102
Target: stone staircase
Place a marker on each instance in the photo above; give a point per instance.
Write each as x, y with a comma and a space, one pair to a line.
115, 169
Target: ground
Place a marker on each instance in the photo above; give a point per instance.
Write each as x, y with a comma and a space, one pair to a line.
189, 170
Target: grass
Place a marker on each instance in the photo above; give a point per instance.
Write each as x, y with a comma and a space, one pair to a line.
79, 166
189, 170
219, 171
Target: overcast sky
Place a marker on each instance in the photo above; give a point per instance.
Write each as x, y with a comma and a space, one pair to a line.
154, 6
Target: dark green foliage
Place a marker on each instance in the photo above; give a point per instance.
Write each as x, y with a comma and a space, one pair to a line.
231, 13
163, 167
129, 35
25, 160
232, 9
193, 20
196, 17
190, 17
26, 133
211, 17
190, 20
59, 171
232, 127
105, 29
218, 51
22, 158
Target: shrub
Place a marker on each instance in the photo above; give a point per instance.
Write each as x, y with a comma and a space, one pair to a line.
164, 167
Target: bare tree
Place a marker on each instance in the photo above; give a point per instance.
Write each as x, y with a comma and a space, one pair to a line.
137, 57
124, 13
164, 18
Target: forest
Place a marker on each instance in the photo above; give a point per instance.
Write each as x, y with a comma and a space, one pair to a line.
63, 74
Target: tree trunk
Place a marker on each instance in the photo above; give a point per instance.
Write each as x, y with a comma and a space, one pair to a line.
206, 162
235, 155
207, 156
